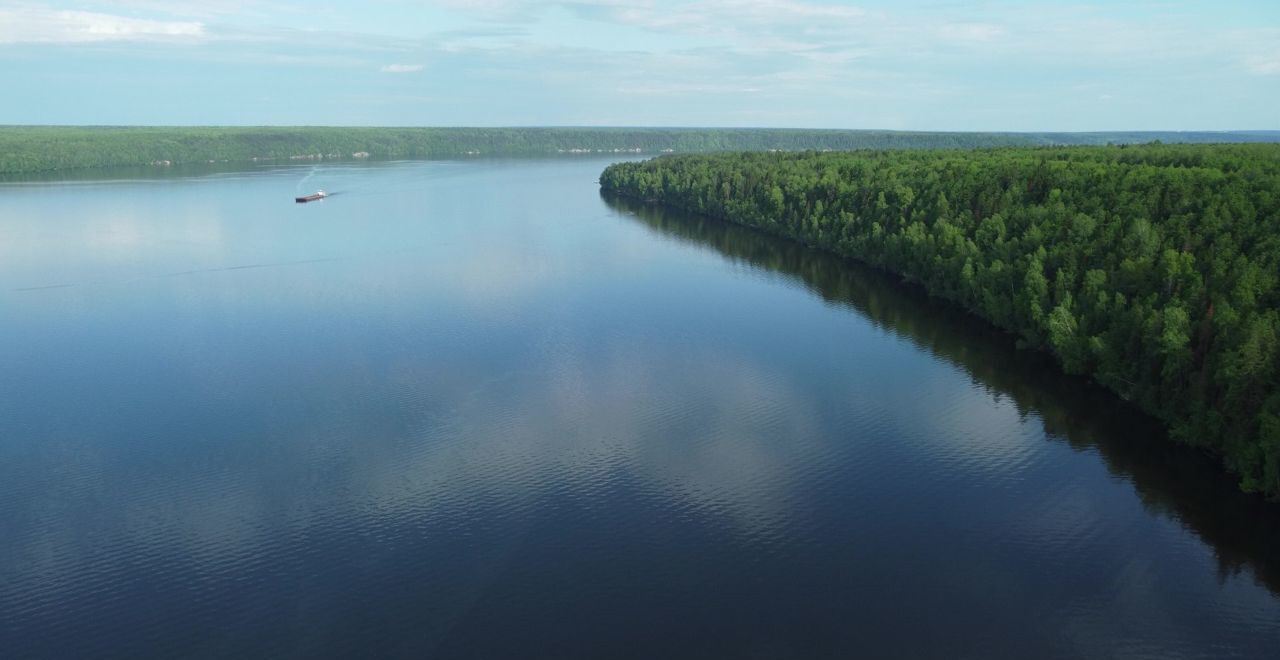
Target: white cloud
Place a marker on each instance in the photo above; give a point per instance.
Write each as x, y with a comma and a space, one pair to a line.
687, 88
970, 31
204, 9
1264, 66
41, 25
401, 68
715, 13
906, 57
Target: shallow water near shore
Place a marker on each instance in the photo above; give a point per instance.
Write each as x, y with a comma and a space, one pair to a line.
475, 409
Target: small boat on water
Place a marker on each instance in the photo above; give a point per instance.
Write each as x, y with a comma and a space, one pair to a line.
319, 194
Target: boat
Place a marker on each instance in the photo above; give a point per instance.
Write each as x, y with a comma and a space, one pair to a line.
319, 194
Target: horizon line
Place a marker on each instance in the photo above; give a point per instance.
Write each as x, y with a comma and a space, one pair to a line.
654, 127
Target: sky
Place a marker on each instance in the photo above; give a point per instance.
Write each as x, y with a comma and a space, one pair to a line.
937, 65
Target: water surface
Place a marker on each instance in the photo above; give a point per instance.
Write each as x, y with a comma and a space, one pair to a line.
474, 409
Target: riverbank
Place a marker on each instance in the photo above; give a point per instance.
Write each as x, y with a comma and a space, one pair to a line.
25, 149
1150, 269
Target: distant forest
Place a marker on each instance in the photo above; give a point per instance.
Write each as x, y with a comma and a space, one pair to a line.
1154, 269
26, 149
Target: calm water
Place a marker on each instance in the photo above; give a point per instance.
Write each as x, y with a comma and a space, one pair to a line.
472, 409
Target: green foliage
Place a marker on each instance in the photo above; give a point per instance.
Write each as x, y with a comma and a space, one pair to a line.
50, 148
47, 148
1155, 269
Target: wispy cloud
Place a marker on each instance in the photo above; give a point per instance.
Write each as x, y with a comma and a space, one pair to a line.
401, 68
42, 25
687, 88
1264, 65
970, 31
922, 64
732, 14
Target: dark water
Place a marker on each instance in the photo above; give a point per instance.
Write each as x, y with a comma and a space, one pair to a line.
475, 410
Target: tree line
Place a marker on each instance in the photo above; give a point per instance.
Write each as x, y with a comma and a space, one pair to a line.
1153, 269
25, 149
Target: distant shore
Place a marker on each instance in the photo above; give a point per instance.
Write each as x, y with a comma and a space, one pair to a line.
30, 149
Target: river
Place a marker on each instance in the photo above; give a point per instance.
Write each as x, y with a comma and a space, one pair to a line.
475, 409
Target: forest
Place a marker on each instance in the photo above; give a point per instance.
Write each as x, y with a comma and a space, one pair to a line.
1152, 269
26, 149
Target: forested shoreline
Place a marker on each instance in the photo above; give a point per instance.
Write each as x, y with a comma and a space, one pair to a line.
1153, 269
27, 149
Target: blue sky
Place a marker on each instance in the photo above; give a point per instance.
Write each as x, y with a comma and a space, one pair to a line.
939, 65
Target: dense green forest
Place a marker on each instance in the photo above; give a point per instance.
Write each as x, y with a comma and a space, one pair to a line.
48, 148
1153, 269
